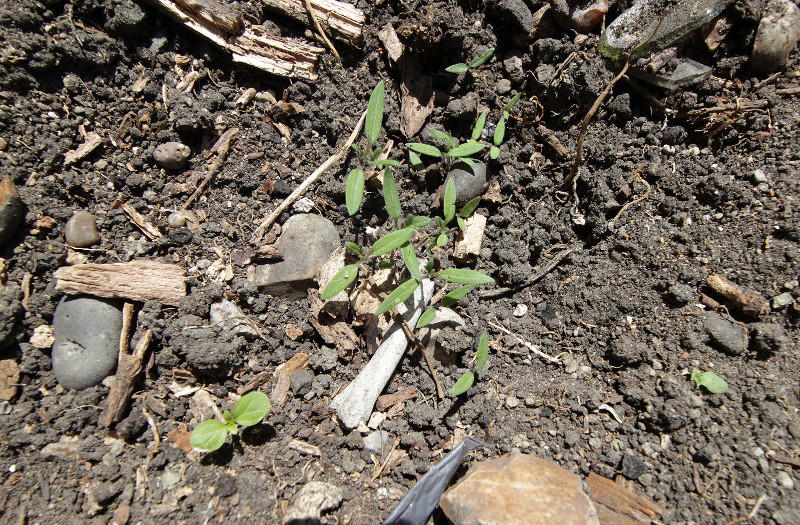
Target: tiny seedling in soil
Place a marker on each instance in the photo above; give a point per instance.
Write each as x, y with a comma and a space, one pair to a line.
468, 378
478, 61
710, 381
249, 410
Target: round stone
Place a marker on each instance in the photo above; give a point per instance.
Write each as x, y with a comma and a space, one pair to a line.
81, 230
470, 180
172, 155
176, 219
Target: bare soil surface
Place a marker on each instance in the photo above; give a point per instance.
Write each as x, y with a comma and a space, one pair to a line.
665, 199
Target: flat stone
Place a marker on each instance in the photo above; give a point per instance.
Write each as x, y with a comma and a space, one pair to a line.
518, 489
81, 230
725, 334
782, 300
470, 180
307, 241
633, 467
10, 210
301, 380
776, 36
514, 12
87, 340
311, 501
376, 441
172, 155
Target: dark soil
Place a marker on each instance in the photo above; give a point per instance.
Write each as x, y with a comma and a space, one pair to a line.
661, 204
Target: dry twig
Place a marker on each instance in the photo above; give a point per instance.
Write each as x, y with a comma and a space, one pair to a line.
533, 348
221, 147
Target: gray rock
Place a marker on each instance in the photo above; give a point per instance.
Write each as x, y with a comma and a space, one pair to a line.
470, 180
376, 441
81, 230
172, 155
776, 36
784, 299
87, 340
514, 12
128, 20
632, 467
301, 381
514, 67
10, 210
311, 501
10, 309
725, 334
306, 243
464, 107
768, 338
680, 294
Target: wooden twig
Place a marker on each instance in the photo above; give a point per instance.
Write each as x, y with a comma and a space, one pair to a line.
533, 348
320, 30
128, 370
415, 341
222, 147
750, 304
333, 159
140, 222
341, 18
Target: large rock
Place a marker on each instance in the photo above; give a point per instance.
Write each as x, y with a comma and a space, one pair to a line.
776, 36
518, 489
306, 243
87, 340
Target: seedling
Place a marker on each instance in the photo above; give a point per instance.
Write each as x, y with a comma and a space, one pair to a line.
249, 410
468, 378
478, 61
710, 381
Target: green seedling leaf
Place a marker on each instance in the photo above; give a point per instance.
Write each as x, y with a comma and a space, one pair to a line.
398, 295
463, 384
483, 58
354, 190
419, 222
390, 195
386, 263
479, 125
251, 408
457, 68
356, 149
390, 241
209, 435
232, 428
227, 416
415, 161
410, 259
512, 102
372, 125
462, 225
455, 296
441, 240
494, 152
449, 203
375, 153
425, 149
441, 135
429, 264
426, 317
499, 131
469, 207
354, 248
464, 276
340, 281
388, 162
710, 381
466, 149
482, 355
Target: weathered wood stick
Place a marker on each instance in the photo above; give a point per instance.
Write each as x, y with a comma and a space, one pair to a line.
342, 19
750, 304
135, 280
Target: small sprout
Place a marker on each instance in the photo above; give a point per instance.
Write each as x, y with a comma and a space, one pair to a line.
710, 381
354, 190
463, 384
464, 276
469, 207
249, 410
398, 295
482, 355
340, 281
456, 295
390, 195
374, 121
424, 149
479, 125
499, 131
478, 61
466, 149
391, 241
426, 317
457, 68
410, 260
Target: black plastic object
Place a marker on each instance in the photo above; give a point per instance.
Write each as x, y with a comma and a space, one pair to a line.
417, 506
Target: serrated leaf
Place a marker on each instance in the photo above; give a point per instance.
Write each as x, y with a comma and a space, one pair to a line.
483, 58
457, 68
710, 381
209, 435
499, 131
469, 207
398, 295
426, 318
354, 190
340, 281
410, 259
482, 355
456, 295
251, 408
477, 129
441, 240
374, 121
449, 202
415, 161
390, 241
425, 149
354, 248
390, 195
466, 149
464, 276
419, 222
494, 152
463, 384
512, 102
388, 162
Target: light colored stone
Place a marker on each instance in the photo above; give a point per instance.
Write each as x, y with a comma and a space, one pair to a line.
784, 299
776, 36
313, 499
81, 230
518, 489
377, 441
306, 243
42, 337
172, 155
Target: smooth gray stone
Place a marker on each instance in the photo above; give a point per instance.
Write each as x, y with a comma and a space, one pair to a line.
87, 340
81, 230
307, 241
776, 36
725, 334
470, 180
172, 155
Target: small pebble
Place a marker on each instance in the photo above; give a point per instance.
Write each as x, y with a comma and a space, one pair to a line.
633, 467
176, 219
759, 176
782, 300
726, 335
785, 479
512, 401
172, 155
503, 86
81, 230
776, 36
520, 310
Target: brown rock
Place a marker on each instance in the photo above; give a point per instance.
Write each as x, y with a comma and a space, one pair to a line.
518, 489
81, 230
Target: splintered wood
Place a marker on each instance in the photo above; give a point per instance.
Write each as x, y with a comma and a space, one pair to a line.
748, 303
135, 280
343, 19
618, 505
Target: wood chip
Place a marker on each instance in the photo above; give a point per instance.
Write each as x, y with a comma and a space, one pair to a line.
618, 505
468, 243
179, 436
140, 280
387, 401
90, 143
140, 222
304, 448
283, 374
748, 303
9, 378
344, 20
293, 331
